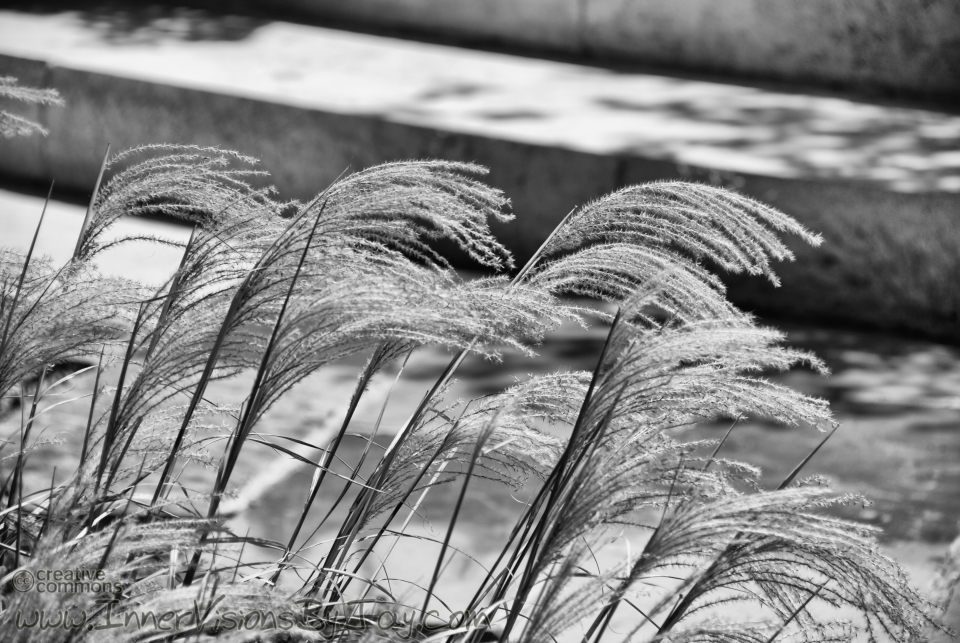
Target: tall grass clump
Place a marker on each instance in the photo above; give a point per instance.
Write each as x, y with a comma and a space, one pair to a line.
280, 290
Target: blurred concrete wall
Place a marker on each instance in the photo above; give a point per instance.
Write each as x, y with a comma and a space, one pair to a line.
908, 47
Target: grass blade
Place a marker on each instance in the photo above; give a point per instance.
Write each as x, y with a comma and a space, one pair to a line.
93, 198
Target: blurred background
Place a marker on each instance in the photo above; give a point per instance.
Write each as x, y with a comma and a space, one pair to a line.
844, 114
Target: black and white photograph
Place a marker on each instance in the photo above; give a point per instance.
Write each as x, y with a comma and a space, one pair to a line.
480, 321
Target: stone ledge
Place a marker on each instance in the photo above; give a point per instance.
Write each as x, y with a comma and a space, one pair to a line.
880, 183
907, 47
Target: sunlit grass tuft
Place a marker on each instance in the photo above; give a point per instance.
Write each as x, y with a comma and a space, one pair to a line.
281, 290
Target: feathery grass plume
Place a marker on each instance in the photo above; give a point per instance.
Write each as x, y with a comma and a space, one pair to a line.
285, 289
733, 231
675, 376
200, 185
405, 205
364, 283
233, 225
783, 552
611, 248
49, 316
698, 364
655, 379
14, 125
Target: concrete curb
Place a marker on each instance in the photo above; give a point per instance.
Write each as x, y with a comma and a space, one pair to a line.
908, 47
889, 260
